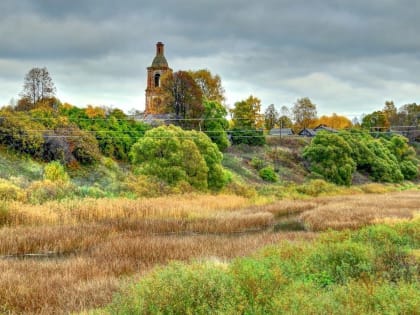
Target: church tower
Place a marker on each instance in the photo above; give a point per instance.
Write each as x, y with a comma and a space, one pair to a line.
154, 95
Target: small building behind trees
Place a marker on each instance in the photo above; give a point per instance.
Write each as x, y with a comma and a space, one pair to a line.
311, 132
281, 132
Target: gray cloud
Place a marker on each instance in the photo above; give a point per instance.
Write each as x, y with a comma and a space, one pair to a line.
348, 56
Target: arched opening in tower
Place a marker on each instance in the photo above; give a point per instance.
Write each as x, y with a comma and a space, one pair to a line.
157, 80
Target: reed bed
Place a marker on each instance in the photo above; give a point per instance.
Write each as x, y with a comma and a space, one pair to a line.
93, 210
351, 212
89, 280
91, 245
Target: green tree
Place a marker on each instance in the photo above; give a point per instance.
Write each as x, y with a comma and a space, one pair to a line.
330, 157
405, 155
384, 159
376, 121
270, 117
284, 122
215, 123
114, 130
175, 156
246, 114
304, 113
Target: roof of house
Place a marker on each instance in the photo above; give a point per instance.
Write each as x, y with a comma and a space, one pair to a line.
307, 132
281, 131
325, 127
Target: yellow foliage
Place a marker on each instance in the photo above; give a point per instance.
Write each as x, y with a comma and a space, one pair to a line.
334, 121
9, 191
95, 112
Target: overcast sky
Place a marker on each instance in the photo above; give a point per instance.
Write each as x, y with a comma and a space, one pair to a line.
348, 57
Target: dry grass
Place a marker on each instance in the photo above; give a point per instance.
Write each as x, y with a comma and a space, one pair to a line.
100, 242
287, 207
360, 210
94, 210
88, 280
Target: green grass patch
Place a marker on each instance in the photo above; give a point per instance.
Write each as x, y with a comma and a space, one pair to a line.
370, 271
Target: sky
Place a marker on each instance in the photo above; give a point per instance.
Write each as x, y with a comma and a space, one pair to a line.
348, 57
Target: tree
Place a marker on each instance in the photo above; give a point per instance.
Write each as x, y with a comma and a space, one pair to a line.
270, 117
38, 86
390, 112
330, 157
377, 121
114, 131
355, 122
183, 97
210, 85
334, 121
304, 112
409, 115
246, 114
284, 122
178, 156
215, 123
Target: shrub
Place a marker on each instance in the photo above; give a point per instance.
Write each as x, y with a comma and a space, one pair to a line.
316, 187
20, 133
55, 172
9, 191
41, 191
252, 137
257, 163
258, 281
240, 189
181, 289
337, 262
268, 174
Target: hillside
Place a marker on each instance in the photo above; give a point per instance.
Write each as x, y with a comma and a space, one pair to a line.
22, 175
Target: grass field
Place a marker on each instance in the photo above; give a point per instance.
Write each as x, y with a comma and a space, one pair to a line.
69, 256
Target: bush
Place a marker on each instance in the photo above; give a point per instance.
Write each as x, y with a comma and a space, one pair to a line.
240, 189
268, 174
20, 133
336, 263
55, 172
252, 137
258, 281
9, 191
41, 191
257, 163
335, 157
181, 289
316, 187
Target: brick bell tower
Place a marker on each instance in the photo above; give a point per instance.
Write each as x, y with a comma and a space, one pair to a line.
154, 95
